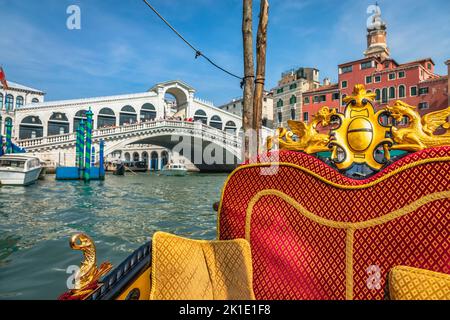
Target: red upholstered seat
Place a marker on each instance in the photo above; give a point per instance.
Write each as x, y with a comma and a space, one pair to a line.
316, 234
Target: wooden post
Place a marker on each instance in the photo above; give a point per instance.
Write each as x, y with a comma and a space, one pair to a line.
247, 103
261, 45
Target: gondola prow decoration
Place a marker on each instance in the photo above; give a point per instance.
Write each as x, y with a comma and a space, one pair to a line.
87, 278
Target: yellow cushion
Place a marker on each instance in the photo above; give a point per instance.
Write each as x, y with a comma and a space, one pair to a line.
407, 283
184, 269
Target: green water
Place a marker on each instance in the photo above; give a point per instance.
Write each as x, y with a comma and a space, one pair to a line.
120, 214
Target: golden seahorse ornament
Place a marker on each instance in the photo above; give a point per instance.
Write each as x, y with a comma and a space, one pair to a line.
88, 273
308, 138
420, 133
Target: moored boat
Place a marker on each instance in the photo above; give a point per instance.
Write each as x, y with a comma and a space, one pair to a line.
174, 169
137, 166
19, 169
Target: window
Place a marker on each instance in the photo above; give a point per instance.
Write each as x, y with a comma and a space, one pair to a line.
384, 96
292, 114
429, 66
316, 99
335, 96
347, 69
201, 116
423, 105
366, 65
343, 97
392, 93
378, 78
9, 102
280, 103
148, 112
230, 127
386, 64
423, 90
401, 74
106, 118
216, 122
344, 84
322, 98
35, 100
378, 94
293, 86
1, 101
293, 100
280, 90
127, 115
280, 117
401, 91
368, 79
391, 76
413, 91
19, 102
305, 116
306, 100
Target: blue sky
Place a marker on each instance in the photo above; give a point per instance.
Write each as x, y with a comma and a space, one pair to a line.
123, 47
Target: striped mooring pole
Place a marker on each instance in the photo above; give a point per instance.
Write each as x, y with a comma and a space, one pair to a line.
101, 159
77, 148
81, 148
87, 159
8, 126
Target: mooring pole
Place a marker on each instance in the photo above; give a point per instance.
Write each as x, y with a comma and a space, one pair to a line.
1, 138
87, 159
101, 160
77, 149
81, 146
8, 126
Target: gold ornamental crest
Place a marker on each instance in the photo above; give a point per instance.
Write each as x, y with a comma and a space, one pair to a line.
361, 136
358, 136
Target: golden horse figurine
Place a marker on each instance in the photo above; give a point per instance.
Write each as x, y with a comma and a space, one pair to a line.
88, 274
420, 134
309, 139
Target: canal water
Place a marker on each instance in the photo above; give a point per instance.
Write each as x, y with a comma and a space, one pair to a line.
120, 214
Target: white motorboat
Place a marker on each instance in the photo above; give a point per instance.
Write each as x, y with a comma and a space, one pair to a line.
174, 169
19, 169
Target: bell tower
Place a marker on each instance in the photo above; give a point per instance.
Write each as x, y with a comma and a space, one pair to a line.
376, 36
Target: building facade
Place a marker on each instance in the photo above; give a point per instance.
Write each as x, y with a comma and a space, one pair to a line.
15, 98
235, 107
288, 95
413, 82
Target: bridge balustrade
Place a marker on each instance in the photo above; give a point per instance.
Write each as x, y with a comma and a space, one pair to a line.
197, 128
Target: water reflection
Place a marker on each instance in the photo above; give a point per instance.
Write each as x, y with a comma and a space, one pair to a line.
120, 214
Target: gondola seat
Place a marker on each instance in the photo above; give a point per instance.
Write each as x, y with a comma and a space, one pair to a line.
318, 234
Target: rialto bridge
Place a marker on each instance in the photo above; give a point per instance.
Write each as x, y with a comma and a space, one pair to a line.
208, 148
168, 115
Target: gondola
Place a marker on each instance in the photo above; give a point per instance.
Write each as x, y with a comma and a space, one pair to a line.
119, 169
295, 225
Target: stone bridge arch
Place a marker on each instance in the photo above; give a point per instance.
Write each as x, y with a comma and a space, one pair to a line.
207, 152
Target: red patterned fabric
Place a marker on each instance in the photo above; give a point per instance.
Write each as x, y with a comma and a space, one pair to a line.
295, 257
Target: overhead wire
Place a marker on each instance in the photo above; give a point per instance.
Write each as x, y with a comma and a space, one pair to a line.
198, 53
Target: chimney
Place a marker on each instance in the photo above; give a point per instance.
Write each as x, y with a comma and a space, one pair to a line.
326, 81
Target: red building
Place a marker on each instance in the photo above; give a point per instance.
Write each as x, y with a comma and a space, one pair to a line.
413, 82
